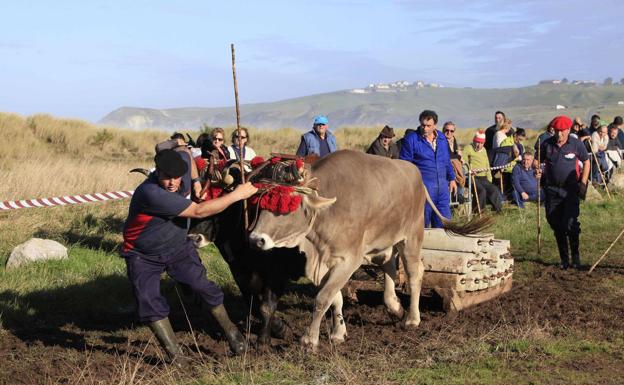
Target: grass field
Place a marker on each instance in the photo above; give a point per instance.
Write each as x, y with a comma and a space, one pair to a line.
72, 322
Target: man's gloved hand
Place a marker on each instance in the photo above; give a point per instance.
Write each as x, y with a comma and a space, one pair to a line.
582, 190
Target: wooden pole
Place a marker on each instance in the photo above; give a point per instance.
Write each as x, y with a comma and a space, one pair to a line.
469, 193
539, 197
605, 253
474, 184
238, 128
604, 181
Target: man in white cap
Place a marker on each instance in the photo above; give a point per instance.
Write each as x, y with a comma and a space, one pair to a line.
319, 140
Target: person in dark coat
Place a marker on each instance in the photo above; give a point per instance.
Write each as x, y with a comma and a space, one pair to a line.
383, 145
564, 184
155, 241
428, 149
490, 132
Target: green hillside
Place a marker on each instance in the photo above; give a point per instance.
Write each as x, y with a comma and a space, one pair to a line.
528, 107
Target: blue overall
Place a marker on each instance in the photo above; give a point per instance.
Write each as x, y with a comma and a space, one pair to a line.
436, 170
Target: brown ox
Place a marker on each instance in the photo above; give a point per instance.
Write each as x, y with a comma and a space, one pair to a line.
376, 203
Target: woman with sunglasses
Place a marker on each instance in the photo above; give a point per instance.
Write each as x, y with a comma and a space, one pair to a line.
218, 141
239, 146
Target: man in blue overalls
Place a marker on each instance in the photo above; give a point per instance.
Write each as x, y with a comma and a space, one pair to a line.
428, 149
564, 183
155, 241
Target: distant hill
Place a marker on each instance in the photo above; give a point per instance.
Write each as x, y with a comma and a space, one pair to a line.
530, 107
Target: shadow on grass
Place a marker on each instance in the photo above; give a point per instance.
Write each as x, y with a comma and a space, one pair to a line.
92, 316
90, 231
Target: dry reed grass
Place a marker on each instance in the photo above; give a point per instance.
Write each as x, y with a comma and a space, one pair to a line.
45, 156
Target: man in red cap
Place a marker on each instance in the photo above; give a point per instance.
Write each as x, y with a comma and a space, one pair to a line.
564, 183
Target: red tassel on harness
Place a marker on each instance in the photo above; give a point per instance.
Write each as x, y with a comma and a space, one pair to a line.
256, 161
200, 162
277, 199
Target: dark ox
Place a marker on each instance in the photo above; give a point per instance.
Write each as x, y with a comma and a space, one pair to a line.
376, 203
260, 275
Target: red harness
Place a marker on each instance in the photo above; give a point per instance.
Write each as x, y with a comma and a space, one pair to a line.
278, 199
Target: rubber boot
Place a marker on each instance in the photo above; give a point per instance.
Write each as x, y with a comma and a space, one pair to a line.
574, 248
167, 339
234, 337
562, 245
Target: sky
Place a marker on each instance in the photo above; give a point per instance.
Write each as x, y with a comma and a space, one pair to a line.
83, 59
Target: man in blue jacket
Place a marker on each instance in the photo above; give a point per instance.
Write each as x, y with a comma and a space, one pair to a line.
428, 149
319, 140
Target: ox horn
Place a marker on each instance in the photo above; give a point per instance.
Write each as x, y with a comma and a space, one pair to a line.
316, 202
140, 170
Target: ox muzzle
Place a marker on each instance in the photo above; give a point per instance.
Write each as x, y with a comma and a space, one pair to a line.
261, 241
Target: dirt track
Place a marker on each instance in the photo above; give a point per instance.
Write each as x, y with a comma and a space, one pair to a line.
544, 301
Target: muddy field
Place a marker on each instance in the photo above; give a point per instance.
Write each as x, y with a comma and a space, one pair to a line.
544, 302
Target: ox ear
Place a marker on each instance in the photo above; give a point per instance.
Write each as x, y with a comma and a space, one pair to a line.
318, 203
311, 183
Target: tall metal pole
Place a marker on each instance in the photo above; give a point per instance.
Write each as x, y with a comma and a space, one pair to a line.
238, 128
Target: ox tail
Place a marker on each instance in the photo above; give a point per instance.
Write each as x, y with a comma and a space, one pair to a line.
141, 171
474, 226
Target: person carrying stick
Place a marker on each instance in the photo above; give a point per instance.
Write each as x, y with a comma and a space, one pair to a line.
564, 185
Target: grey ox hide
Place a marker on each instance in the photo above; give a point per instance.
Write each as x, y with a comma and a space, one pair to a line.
373, 203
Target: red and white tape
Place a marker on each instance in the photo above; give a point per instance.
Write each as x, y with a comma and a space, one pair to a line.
64, 200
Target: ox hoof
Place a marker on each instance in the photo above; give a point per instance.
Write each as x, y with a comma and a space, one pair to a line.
399, 314
336, 340
307, 343
278, 327
412, 322
263, 341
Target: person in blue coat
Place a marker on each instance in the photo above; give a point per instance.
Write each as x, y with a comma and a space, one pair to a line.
319, 140
428, 149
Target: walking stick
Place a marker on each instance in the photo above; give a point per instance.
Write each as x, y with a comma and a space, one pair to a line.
474, 185
539, 198
238, 127
469, 193
604, 181
605, 253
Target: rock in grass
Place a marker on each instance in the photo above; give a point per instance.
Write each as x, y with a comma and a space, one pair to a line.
617, 182
36, 249
592, 194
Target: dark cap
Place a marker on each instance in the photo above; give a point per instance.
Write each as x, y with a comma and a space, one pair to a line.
387, 132
171, 163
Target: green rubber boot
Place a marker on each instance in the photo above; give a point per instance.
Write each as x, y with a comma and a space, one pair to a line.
234, 337
167, 339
